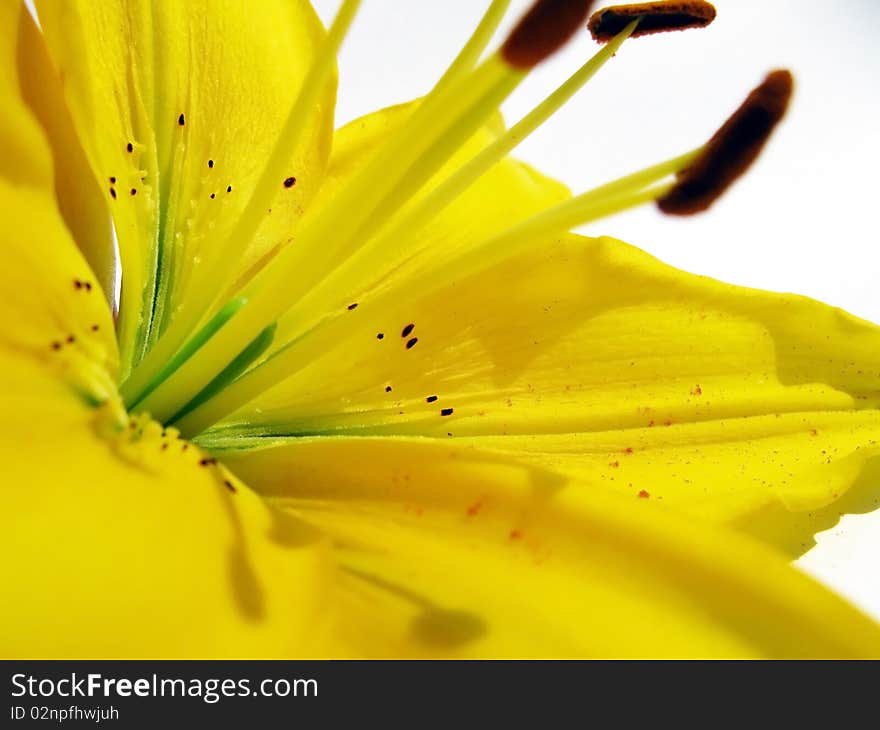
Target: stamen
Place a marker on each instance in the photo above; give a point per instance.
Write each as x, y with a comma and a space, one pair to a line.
580, 210
351, 216
732, 149
543, 30
614, 197
426, 209
386, 184
473, 49
655, 17
396, 173
411, 221
406, 225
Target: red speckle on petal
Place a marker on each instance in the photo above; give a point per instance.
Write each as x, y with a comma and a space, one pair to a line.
643, 494
516, 534
628, 450
614, 464
475, 508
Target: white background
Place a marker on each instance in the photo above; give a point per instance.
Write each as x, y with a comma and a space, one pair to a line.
804, 220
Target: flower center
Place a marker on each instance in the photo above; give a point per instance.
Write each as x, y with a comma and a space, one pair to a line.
215, 356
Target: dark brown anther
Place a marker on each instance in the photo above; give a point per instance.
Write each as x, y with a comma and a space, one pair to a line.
181, 120
229, 485
129, 147
656, 17
289, 182
732, 149
545, 28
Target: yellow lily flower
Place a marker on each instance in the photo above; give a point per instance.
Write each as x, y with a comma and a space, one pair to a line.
364, 395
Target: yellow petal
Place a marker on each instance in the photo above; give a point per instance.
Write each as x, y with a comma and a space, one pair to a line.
447, 551
122, 544
200, 90
119, 542
591, 357
80, 200
23, 155
55, 318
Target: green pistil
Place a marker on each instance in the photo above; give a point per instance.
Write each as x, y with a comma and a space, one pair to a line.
190, 347
243, 360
